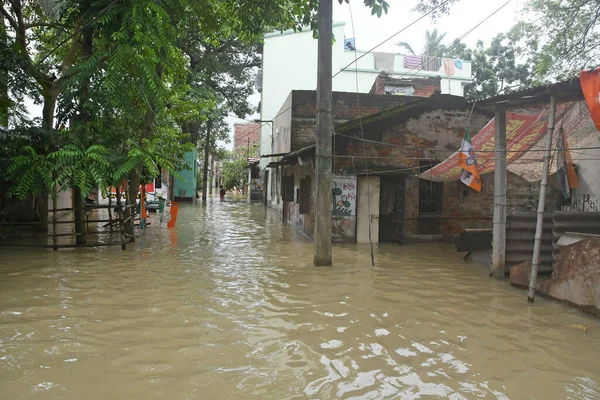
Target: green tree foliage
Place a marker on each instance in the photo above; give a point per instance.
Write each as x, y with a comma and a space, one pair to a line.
132, 83
497, 68
234, 172
562, 37
433, 44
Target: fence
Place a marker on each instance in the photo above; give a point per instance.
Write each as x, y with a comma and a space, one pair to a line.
116, 227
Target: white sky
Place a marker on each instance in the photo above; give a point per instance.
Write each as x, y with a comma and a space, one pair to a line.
370, 30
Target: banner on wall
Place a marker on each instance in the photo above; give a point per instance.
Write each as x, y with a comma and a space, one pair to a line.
526, 132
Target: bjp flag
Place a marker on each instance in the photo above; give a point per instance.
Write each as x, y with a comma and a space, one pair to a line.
466, 160
590, 86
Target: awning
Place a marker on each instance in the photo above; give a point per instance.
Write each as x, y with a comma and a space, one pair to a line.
274, 164
298, 153
273, 155
525, 142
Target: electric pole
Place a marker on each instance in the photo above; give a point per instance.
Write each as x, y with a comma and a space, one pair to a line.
324, 130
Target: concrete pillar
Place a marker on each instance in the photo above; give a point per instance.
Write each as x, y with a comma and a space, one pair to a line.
499, 229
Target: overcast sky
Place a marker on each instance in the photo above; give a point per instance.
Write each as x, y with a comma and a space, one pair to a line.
370, 30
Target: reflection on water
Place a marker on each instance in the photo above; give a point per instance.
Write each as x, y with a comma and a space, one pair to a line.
229, 306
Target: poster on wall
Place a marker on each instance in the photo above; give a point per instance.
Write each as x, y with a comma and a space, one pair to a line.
343, 190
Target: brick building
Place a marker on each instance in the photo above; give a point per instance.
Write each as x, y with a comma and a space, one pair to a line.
246, 136
418, 86
374, 182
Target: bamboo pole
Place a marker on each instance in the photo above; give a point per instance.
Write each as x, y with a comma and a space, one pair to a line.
54, 220
535, 262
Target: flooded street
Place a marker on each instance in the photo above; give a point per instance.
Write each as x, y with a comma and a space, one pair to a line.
229, 306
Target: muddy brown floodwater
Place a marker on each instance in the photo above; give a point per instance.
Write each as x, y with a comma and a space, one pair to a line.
229, 306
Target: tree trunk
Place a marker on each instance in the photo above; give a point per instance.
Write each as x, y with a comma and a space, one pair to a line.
83, 120
132, 191
206, 154
78, 205
3, 82
48, 110
212, 174
41, 205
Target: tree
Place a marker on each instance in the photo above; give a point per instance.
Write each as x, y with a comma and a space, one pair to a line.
120, 79
496, 69
562, 37
433, 44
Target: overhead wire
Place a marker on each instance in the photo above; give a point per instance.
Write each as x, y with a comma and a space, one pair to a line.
363, 55
444, 47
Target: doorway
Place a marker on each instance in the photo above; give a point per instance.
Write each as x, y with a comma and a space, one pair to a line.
391, 209
367, 210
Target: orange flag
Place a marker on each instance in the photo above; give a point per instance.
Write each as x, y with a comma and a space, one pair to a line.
466, 160
590, 86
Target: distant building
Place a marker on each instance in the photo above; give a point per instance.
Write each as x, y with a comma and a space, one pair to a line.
245, 136
290, 63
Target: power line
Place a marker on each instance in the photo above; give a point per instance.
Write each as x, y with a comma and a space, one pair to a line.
455, 151
458, 39
371, 50
389, 38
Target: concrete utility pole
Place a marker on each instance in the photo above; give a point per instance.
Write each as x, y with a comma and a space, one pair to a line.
322, 233
539, 228
499, 228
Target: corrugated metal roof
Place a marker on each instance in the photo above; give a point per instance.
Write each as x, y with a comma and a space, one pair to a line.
569, 90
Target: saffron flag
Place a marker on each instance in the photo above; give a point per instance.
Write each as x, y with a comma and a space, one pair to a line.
466, 160
590, 86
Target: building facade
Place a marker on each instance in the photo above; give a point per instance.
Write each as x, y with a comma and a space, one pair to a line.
245, 137
376, 192
290, 63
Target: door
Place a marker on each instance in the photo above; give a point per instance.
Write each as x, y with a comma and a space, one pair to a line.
266, 183
367, 209
391, 209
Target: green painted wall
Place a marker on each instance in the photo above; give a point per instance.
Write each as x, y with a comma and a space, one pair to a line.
186, 185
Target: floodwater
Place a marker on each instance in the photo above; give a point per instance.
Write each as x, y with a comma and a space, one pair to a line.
229, 306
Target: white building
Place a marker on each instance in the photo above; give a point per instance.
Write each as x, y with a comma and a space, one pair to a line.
290, 62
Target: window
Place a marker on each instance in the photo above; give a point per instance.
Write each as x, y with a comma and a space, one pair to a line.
430, 193
288, 188
304, 195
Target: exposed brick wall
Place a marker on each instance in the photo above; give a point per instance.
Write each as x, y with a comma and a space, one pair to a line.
435, 135
424, 87
463, 208
243, 132
345, 106
432, 134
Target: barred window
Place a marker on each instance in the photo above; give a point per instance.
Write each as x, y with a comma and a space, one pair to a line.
430, 193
